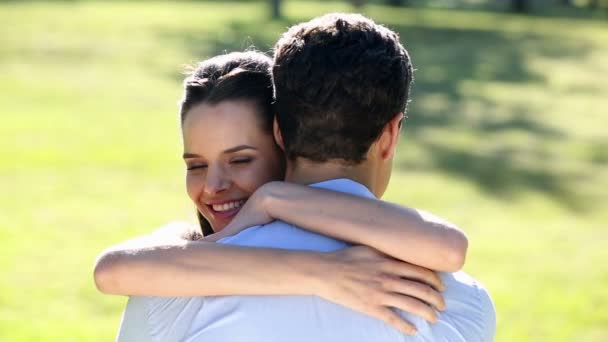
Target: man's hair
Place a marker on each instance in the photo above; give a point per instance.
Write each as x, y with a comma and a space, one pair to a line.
339, 79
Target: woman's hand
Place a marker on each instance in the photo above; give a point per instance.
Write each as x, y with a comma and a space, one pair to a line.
367, 281
253, 213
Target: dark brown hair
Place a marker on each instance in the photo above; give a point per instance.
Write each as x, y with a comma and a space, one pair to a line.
233, 76
339, 79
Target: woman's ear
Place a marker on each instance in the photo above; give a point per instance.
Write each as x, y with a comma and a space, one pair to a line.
390, 137
278, 138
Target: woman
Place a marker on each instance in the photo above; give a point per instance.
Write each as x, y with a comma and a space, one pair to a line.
233, 165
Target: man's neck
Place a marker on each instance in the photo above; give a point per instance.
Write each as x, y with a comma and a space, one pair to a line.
303, 171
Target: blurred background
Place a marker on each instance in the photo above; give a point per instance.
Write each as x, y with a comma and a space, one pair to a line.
506, 137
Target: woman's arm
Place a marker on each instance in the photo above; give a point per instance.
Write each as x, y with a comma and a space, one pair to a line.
357, 277
407, 234
156, 265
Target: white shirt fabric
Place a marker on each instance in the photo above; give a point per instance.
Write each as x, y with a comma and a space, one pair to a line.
469, 314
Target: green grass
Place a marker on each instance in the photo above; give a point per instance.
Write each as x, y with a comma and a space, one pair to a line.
506, 137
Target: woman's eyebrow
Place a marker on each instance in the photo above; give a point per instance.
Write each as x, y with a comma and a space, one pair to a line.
187, 155
239, 148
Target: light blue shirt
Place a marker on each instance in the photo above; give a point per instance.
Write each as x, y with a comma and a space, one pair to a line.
469, 314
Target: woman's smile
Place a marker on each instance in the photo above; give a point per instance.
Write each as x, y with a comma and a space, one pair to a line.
225, 209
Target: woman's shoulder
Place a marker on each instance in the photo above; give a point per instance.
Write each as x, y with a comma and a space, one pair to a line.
179, 230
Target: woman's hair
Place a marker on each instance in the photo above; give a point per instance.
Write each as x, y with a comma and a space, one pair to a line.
234, 76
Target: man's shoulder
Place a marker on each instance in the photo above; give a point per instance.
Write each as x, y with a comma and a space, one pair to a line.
255, 233
150, 318
488, 312
470, 308
478, 286
280, 234
462, 285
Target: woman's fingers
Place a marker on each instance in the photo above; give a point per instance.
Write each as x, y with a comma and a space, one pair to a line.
393, 266
414, 272
391, 318
415, 289
411, 305
373, 283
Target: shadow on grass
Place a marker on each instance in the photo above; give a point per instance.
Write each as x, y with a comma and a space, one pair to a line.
446, 59
454, 69
497, 174
237, 36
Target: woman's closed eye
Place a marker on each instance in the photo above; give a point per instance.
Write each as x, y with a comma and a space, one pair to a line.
196, 166
241, 161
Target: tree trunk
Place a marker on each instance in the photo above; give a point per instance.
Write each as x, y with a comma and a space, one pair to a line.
396, 3
357, 3
275, 8
519, 6
594, 4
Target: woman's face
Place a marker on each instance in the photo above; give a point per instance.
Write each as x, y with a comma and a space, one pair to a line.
228, 156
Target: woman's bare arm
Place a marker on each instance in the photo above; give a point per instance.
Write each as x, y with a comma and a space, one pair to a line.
358, 277
162, 266
407, 234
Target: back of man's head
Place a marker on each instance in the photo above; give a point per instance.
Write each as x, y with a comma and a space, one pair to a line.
339, 79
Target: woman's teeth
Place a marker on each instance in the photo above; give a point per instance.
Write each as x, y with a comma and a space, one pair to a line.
227, 206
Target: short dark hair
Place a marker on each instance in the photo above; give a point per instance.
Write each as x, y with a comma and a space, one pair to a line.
339, 79
234, 76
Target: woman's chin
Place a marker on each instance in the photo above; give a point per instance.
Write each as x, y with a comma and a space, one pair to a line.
222, 218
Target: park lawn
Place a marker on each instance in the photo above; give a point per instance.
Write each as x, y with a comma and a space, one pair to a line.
505, 137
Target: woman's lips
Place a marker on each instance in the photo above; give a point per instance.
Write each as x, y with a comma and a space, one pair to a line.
228, 208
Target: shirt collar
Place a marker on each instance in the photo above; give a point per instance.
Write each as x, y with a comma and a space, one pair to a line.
345, 185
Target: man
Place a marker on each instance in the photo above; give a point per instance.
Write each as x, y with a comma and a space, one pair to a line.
342, 83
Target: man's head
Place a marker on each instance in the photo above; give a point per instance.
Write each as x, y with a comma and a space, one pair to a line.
341, 84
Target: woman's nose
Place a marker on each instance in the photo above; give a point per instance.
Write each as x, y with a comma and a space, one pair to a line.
216, 181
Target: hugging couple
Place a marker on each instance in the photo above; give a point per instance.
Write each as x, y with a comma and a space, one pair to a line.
286, 161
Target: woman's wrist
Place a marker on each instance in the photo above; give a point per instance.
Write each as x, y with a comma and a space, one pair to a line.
309, 272
269, 198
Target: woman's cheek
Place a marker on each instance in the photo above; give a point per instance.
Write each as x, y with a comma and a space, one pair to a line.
252, 178
266, 172
194, 186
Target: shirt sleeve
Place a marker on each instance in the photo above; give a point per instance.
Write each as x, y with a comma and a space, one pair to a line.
158, 319
169, 318
473, 319
134, 325
489, 316
469, 315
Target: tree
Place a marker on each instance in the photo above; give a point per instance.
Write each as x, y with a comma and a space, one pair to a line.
275, 6
357, 3
594, 4
519, 6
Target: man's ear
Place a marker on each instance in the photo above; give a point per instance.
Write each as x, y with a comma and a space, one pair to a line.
390, 137
278, 138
